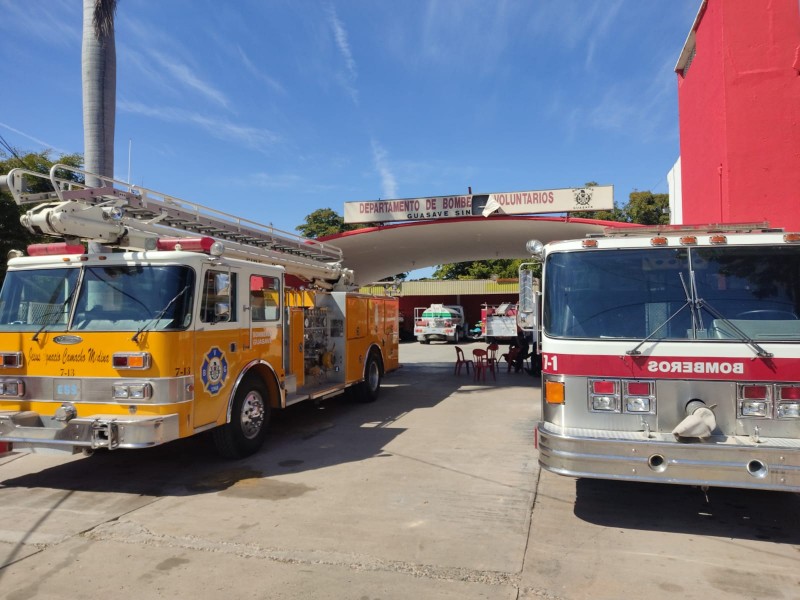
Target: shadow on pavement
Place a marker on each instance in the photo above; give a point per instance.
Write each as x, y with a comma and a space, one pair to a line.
304, 437
729, 513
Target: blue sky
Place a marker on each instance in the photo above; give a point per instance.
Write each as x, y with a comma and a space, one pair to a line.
271, 109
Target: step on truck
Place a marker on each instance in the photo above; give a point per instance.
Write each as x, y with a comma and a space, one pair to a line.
177, 319
670, 354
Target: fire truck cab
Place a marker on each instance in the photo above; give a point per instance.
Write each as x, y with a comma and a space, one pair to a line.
670, 354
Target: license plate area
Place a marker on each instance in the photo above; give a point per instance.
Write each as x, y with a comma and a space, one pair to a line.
67, 390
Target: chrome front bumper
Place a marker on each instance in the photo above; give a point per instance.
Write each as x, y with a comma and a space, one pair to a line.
29, 431
723, 461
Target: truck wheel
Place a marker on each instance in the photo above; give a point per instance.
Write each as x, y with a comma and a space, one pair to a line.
369, 389
424, 341
245, 434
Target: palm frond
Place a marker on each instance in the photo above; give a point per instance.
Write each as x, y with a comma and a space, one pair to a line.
103, 17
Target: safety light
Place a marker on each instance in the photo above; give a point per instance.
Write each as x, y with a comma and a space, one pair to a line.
638, 388
534, 247
638, 396
54, 249
554, 392
753, 408
789, 410
792, 238
589, 243
637, 405
718, 239
689, 240
132, 391
13, 388
754, 392
603, 386
604, 403
11, 360
201, 244
658, 240
604, 395
133, 360
789, 392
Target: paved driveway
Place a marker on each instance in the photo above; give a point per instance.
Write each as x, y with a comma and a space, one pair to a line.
433, 491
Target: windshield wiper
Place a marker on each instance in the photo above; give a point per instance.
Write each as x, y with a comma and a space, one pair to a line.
750, 342
690, 302
635, 350
696, 305
58, 312
160, 314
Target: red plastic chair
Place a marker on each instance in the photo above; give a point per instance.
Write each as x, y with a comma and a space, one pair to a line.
480, 359
460, 360
491, 351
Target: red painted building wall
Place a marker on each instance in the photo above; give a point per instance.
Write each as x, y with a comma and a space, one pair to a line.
739, 107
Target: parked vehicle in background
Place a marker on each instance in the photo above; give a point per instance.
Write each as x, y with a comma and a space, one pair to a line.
499, 322
443, 322
670, 354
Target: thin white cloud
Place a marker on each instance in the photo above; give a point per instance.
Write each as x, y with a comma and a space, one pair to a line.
388, 181
183, 74
251, 137
255, 71
33, 139
340, 36
57, 22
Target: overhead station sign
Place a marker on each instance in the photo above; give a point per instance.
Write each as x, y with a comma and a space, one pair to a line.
599, 197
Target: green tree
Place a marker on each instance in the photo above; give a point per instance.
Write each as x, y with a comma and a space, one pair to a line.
647, 208
326, 221
99, 78
323, 222
13, 236
502, 268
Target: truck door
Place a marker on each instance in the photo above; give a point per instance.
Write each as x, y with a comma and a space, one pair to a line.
218, 343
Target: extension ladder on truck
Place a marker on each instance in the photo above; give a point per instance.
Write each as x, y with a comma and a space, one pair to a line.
127, 216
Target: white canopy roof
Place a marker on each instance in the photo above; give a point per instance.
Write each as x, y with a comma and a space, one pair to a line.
379, 252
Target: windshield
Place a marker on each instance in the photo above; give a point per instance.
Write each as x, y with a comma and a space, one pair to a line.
674, 293
30, 300
109, 298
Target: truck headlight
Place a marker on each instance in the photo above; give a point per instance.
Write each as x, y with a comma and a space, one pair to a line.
789, 410
132, 391
753, 408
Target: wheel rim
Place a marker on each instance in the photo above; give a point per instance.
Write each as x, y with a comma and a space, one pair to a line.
252, 417
373, 376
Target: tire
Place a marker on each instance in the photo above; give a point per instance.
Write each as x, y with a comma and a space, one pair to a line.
457, 336
250, 414
369, 389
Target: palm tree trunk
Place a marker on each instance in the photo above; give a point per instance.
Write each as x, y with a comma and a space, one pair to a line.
99, 77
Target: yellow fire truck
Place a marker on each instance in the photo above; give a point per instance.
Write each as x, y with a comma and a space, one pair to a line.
177, 319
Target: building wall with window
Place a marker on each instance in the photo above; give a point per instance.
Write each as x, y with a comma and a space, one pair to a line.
739, 107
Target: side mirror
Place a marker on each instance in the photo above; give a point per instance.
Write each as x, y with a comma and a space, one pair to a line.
222, 284
528, 309
222, 311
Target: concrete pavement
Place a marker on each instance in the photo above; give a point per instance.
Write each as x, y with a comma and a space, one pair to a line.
434, 491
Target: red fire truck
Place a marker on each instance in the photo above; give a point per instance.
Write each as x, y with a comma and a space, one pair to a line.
670, 354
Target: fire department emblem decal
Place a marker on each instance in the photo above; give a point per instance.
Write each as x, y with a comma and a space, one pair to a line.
214, 371
582, 196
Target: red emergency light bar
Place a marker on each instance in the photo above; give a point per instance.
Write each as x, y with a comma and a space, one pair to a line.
201, 244
54, 249
707, 228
